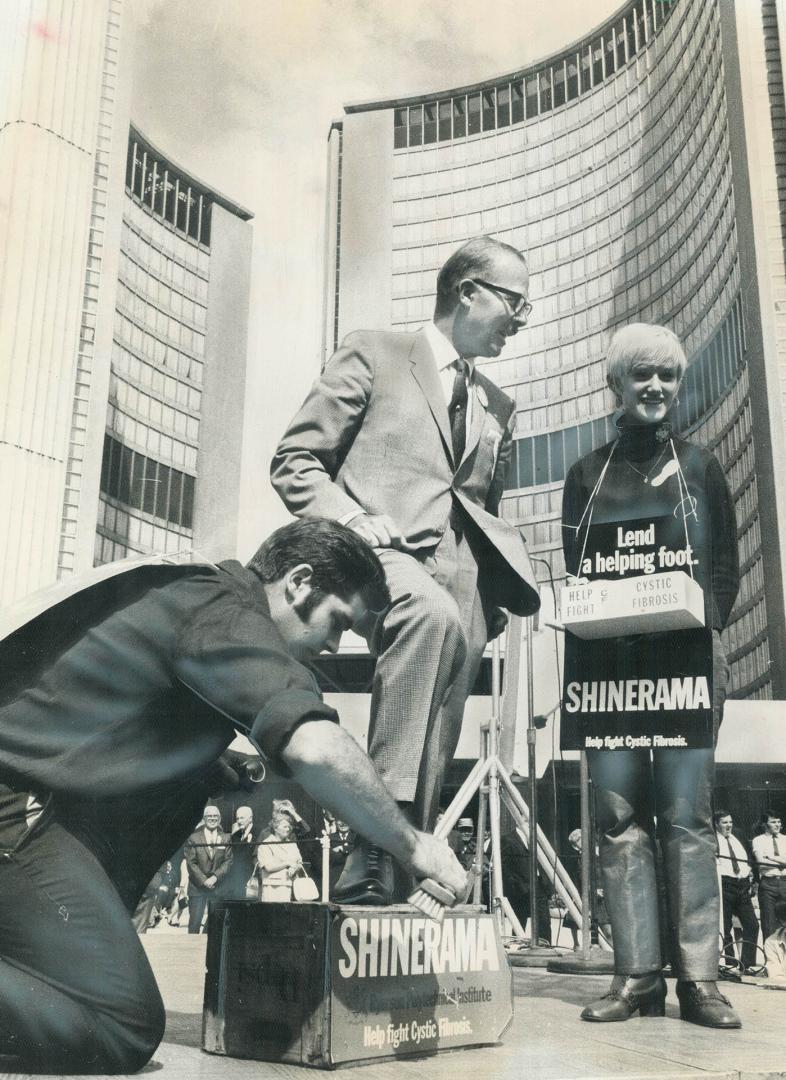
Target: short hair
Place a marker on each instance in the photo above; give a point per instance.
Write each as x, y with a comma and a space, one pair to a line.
574, 836
477, 256
716, 817
779, 911
342, 563
642, 342
767, 814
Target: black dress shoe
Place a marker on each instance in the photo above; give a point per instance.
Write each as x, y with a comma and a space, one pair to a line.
703, 1003
367, 877
645, 994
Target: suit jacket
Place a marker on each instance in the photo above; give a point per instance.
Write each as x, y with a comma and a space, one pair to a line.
373, 435
205, 861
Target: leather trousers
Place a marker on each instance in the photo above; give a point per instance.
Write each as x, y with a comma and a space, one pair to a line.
675, 787
634, 789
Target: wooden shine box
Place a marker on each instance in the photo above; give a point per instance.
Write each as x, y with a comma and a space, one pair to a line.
647, 604
321, 985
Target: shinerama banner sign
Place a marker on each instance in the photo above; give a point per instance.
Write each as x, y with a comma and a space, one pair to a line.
648, 688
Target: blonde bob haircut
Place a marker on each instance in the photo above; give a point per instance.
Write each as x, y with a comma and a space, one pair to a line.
645, 343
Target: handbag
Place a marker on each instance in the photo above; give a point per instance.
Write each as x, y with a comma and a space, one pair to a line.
304, 889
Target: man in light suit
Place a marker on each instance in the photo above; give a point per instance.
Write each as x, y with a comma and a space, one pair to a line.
405, 441
208, 858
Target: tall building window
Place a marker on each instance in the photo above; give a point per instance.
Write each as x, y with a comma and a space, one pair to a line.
503, 106
445, 115
430, 122
517, 101
558, 76
145, 484
489, 110
473, 114
459, 117
171, 197
400, 128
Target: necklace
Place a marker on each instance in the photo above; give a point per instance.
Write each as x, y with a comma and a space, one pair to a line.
646, 476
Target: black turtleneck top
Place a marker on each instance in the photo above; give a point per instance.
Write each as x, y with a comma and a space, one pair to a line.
644, 451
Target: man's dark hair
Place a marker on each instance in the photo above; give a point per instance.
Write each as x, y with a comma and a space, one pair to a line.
779, 911
761, 825
476, 258
716, 817
342, 562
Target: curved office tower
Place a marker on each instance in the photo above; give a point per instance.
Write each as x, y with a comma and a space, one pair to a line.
171, 458
621, 166
123, 304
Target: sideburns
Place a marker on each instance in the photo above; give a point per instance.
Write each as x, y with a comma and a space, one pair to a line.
304, 608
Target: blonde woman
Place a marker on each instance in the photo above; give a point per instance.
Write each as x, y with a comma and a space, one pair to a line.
645, 473
278, 856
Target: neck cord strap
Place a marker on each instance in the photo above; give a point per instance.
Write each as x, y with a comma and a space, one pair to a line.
685, 499
590, 507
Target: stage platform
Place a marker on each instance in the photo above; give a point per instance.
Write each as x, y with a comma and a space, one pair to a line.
546, 1040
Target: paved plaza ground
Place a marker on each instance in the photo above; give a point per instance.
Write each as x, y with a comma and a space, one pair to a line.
546, 1040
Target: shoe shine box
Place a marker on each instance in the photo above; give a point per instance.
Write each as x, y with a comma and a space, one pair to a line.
647, 604
322, 985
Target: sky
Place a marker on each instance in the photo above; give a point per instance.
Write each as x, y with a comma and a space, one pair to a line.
242, 93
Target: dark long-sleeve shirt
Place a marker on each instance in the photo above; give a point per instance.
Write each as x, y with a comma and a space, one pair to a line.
140, 682
624, 495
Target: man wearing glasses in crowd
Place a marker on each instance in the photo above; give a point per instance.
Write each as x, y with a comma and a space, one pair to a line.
405, 441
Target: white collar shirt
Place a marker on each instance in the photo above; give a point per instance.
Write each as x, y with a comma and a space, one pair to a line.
445, 355
724, 857
763, 847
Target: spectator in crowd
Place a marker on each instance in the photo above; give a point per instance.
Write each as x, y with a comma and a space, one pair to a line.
769, 853
515, 886
599, 918
736, 890
342, 841
241, 872
466, 845
278, 856
156, 898
208, 857
775, 945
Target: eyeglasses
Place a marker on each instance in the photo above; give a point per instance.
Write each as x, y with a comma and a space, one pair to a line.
519, 305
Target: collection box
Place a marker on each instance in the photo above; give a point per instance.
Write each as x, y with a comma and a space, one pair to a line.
647, 604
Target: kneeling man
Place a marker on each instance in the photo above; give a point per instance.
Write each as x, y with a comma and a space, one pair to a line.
115, 707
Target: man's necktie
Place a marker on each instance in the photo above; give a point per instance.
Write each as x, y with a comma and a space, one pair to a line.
775, 845
457, 411
735, 862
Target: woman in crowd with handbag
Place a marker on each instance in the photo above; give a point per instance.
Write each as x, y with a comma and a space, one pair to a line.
278, 856
647, 473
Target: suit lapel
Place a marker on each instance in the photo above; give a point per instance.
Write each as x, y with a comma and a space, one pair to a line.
424, 369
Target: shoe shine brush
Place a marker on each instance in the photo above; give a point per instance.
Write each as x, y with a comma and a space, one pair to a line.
434, 899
